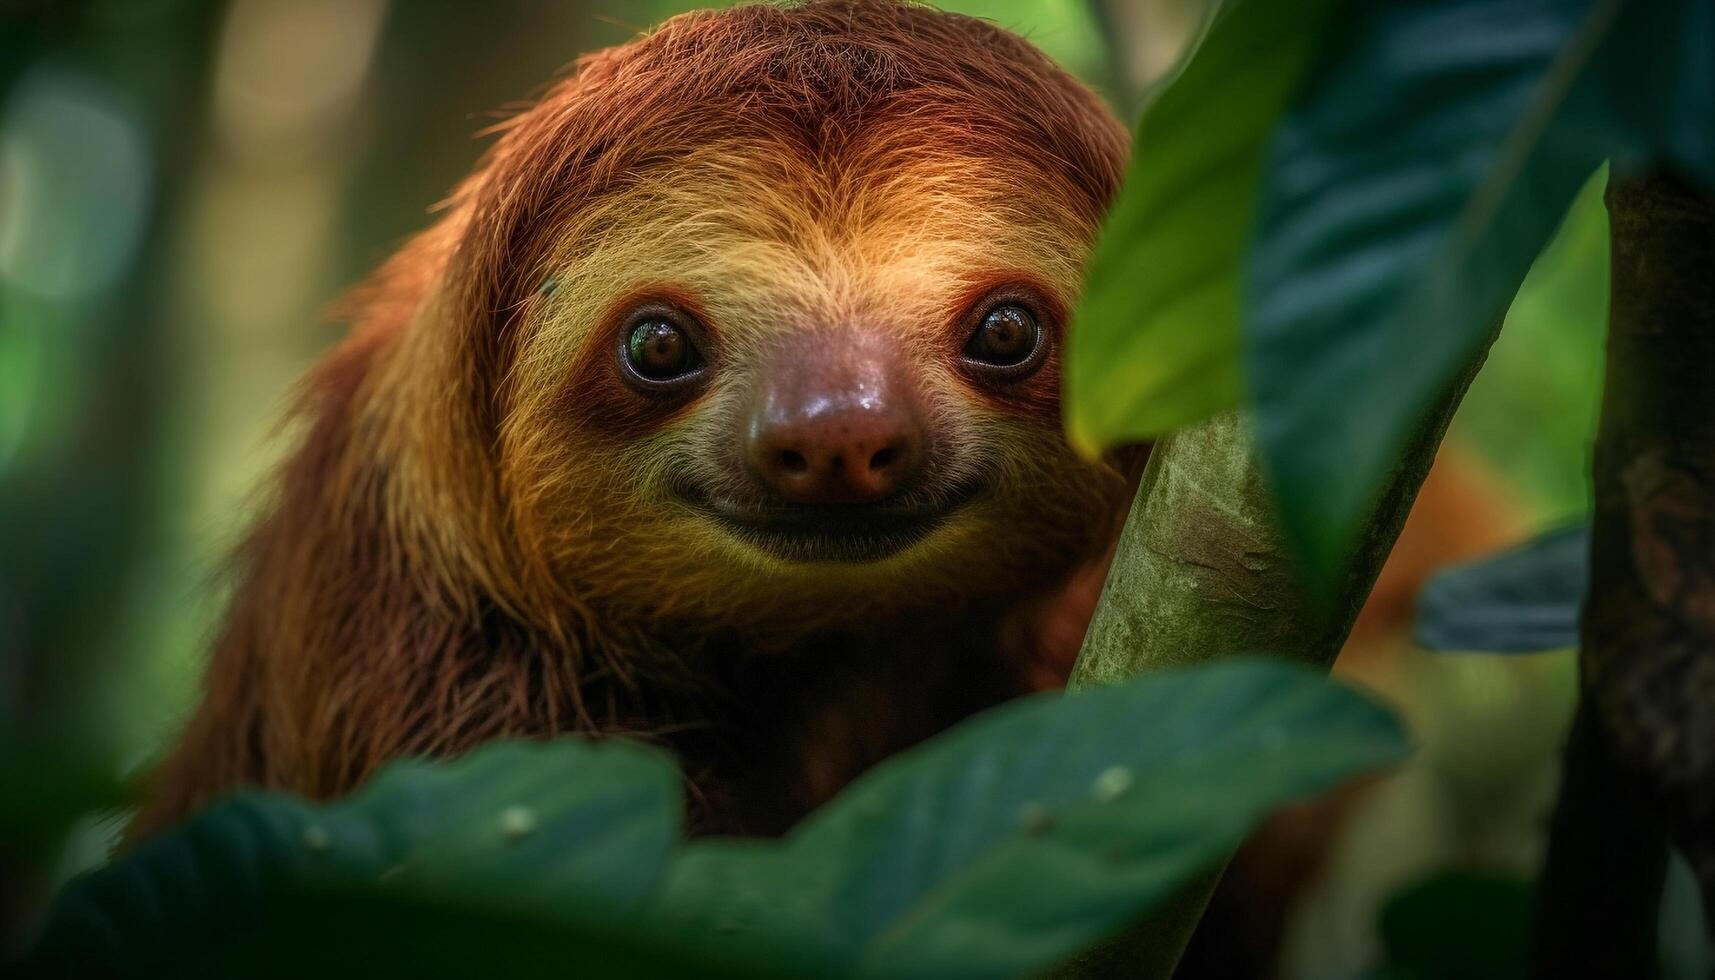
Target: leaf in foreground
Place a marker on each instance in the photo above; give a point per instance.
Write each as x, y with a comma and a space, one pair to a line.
512, 829
1155, 345
998, 849
1037, 830
1404, 198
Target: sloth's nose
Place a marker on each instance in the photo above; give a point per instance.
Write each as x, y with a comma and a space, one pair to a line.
850, 454
836, 427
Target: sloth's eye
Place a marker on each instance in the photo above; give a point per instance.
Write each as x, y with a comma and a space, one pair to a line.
659, 351
1007, 337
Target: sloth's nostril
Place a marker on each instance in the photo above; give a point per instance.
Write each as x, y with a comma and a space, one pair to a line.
882, 458
793, 461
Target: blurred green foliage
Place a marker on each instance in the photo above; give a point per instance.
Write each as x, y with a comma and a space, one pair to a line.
1156, 341
1534, 404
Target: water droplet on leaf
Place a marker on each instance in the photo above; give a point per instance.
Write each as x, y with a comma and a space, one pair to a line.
516, 822
1111, 784
317, 839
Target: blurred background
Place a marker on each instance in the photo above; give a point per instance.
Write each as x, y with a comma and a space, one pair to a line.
187, 185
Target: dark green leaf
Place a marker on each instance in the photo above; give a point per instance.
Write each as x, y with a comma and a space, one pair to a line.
1520, 601
566, 819
997, 850
1156, 339
1036, 830
367, 934
1661, 60
1406, 194
1459, 925
756, 906
568, 831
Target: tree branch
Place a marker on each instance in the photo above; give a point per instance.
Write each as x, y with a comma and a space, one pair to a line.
1202, 572
1602, 880
1648, 650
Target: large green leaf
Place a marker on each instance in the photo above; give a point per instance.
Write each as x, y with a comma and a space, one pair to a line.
997, 850
367, 934
757, 906
580, 829
1406, 194
1155, 343
570, 818
1038, 829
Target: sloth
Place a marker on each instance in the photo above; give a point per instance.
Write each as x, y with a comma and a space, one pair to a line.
719, 408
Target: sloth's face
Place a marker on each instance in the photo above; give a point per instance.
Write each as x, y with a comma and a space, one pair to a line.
806, 393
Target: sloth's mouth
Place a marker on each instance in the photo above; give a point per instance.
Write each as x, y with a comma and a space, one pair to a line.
845, 533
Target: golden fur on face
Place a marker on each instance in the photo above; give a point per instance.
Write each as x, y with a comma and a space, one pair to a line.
852, 192
823, 265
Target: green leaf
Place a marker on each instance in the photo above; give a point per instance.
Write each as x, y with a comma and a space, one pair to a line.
1405, 196
570, 832
1524, 600
1661, 60
756, 906
568, 818
1035, 830
1459, 925
367, 934
1155, 343
999, 849
1028, 838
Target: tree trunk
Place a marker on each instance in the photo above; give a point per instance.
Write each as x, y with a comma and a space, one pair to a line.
1648, 659
1602, 881
1202, 572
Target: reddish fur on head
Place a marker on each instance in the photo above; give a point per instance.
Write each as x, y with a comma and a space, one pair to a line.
487, 531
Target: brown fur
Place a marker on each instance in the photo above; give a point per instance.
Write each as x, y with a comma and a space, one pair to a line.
476, 537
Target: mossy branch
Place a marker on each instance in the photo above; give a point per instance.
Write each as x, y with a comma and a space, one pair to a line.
1203, 571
